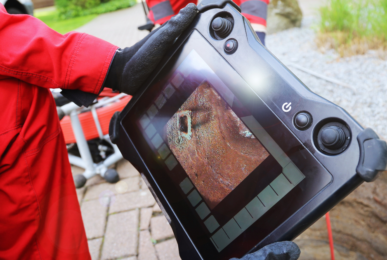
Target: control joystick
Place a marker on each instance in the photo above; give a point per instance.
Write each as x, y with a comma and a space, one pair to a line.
222, 27
333, 138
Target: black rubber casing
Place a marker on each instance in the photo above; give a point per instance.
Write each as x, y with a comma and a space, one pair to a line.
364, 158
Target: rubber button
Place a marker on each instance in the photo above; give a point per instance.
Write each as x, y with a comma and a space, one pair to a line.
302, 120
230, 46
333, 137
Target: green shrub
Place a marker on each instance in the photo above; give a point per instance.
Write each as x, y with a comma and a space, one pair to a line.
75, 8
354, 26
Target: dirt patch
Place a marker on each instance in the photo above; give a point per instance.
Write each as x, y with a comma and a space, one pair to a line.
359, 225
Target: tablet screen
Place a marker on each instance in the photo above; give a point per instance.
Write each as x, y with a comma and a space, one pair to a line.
229, 168
212, 144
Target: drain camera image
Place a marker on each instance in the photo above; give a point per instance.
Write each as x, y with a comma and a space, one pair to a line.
212, 144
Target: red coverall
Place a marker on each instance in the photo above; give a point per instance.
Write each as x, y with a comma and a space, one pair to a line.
39, 212
254, 10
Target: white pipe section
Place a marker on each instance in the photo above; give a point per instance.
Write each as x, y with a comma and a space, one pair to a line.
81, 142
68, 108
77, 161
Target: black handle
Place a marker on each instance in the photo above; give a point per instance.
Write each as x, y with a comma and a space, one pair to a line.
373, 155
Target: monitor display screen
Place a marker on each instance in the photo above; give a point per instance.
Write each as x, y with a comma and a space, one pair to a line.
212, 144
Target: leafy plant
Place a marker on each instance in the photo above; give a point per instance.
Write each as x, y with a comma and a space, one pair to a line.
75, 8
353, 26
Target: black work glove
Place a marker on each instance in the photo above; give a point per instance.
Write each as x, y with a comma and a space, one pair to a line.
132, 66
277, 251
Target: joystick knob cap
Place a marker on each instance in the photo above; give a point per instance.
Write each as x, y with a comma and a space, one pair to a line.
333, 137
221, 26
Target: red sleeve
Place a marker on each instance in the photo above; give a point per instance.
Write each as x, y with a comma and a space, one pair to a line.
32, 52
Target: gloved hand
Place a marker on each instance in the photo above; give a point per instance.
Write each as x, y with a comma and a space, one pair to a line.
132, 66
277, 251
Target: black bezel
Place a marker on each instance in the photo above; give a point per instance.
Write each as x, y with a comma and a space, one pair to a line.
316, 176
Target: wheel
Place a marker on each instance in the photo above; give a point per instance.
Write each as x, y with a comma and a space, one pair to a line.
79, 181
13, 10
111, 176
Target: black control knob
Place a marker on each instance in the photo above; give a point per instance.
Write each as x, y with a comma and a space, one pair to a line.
333, 137
302, 120
230, 46
222, 27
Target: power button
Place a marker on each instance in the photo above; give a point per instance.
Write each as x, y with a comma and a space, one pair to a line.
303, 120
230, 46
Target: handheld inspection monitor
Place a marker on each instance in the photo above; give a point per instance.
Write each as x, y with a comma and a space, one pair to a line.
236, 150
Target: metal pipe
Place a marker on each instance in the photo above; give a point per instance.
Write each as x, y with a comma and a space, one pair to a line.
82, 143
77, 161
96, 121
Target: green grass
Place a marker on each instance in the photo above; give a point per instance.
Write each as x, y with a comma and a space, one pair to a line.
72, 10
64, 20
51, 18
354, 25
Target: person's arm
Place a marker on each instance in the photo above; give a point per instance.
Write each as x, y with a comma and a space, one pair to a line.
81, 64
36, 54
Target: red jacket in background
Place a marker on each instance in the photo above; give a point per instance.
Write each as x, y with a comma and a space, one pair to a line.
163, 10
39, 212
254, 10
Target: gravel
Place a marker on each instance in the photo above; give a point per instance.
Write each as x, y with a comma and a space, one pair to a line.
365, 76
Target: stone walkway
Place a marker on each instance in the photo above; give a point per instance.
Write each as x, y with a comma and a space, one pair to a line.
119, 28
122, 220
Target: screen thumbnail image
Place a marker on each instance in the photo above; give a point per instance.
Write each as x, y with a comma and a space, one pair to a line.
212, 144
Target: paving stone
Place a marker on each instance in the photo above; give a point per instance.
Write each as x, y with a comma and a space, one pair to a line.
168, 250
108, 189
146, 250
127, 185
160, 228
143, 184
94, 218
121, 235
132, 200
156, 208
125, 169
146, 214
80, 194
129, 258
76, 170
96, 179
94, 247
